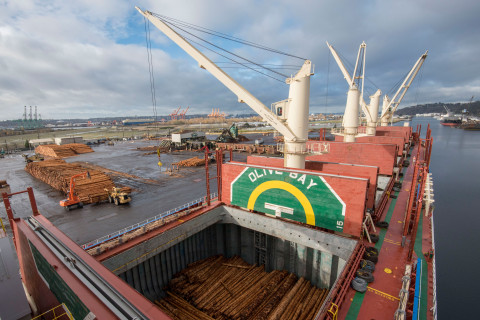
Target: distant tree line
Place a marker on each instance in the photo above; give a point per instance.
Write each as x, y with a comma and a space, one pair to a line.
472, 108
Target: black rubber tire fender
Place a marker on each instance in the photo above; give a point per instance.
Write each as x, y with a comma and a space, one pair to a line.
372, 249
359, 285
367, 265
365, 275
374, 238
371, 257
382, 224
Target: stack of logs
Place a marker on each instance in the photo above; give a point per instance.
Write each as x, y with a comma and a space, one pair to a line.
191, 162
220, 288
63, 151
57, 173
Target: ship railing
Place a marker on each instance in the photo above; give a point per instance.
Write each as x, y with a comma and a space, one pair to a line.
341, 130
60, 312
191, 204
311, 148
434, 270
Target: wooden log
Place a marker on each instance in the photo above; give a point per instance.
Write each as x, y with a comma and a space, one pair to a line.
57, 173
296, 302
277, 313
272, 302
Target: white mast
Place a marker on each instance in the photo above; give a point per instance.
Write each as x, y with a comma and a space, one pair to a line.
294, 130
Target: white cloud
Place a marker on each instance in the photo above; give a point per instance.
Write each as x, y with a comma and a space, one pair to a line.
88, 58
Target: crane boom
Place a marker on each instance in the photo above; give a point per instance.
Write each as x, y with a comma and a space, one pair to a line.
242, 94
389, 108
341, 65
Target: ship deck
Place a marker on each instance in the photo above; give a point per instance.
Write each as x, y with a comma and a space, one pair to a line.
381, 299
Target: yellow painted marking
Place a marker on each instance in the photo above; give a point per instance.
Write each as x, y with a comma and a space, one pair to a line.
307, 207
181, 220
387, 270
400, 221
383, 294
392, 242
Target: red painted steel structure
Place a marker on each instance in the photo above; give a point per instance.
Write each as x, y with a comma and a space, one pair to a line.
338, 292
398, 141
25, 237
383, 156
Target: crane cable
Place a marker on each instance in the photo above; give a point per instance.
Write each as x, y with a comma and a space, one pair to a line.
237, 62
222, 35
328, 81
419, 86
233, 54
150, 69
181, 25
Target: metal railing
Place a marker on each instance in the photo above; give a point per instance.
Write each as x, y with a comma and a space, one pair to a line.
147, 221
311, 148
434, 271
341, 130
59, 312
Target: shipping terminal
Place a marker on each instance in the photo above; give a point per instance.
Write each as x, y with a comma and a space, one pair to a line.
338, 229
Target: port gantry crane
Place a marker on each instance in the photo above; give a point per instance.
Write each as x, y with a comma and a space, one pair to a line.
293, 122
183, 113
173, 115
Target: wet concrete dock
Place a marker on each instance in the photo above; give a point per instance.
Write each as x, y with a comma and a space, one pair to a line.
155, 192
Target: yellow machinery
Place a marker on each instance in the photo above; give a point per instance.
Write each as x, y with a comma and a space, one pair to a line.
35, 157
118, 195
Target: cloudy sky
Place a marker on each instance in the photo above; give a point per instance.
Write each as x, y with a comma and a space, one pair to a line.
87, 58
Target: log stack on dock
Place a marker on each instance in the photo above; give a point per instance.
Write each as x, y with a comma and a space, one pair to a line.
63, 151
191, 162
57, 173
220, 288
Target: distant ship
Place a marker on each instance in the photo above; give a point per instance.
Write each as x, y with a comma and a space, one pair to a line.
450, 119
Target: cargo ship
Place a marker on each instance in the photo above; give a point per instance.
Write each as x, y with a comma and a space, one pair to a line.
449, 119
333, 230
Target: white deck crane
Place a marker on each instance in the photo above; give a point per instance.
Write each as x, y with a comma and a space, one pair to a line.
390, 106
294, 122
355, 98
